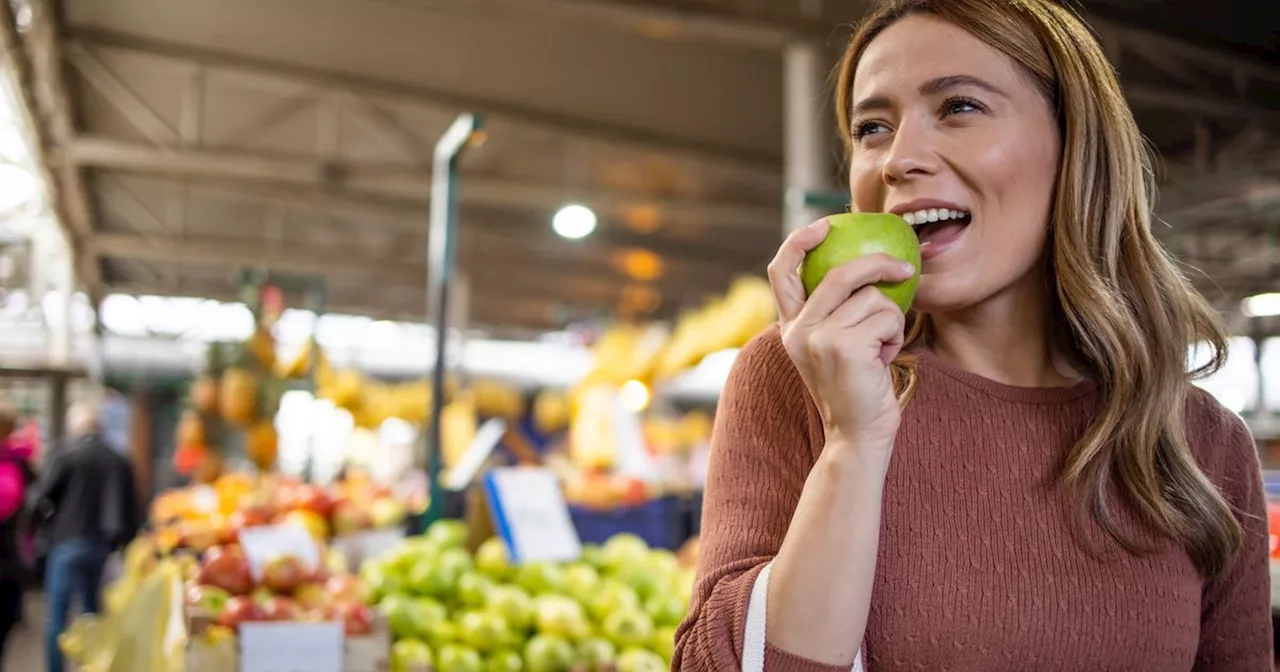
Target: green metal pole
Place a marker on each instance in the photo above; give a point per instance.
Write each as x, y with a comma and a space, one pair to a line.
441, 246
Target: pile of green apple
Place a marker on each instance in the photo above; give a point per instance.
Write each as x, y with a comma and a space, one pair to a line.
616, 609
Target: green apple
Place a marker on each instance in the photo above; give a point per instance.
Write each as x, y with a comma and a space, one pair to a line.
483, 630
513, 605
548, 653
473, 589
640, 660
452, 658
505, 660
596, 652
410, 655
663, 643
491, 559
448, 533
581, 581
858, 234
562, 616
628, 628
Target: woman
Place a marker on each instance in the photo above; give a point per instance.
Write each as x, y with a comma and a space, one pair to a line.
1025, 480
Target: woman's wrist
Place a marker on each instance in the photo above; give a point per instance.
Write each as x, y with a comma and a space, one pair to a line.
850, 459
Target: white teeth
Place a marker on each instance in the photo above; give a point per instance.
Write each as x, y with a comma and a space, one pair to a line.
933, 215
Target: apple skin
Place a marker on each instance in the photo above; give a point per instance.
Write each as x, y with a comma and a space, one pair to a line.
226, 569
284, 574
858, 234
313, 596
239, 610
281, 609
207, 598
356, 617
312, 498
344, 587
349, 518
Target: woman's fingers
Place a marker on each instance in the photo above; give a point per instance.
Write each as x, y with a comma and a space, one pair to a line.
886, 326
788, 291
857, 308
843, 281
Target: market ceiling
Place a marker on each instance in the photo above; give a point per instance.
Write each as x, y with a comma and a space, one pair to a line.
188, 139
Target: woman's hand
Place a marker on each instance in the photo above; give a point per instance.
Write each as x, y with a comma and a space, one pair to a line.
843, 338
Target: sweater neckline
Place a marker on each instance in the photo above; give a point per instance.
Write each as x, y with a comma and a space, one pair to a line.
1014, 393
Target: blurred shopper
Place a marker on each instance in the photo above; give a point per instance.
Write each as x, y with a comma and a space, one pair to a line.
1017, 474
15, 475
91, 508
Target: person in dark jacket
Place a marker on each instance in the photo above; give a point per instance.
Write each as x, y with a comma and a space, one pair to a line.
91, 508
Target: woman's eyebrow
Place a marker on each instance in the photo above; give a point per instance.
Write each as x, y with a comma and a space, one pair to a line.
932, 87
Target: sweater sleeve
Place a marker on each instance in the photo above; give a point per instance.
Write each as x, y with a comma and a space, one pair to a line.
762, 449
1235, 617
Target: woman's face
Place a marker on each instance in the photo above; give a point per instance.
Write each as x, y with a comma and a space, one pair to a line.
950, 133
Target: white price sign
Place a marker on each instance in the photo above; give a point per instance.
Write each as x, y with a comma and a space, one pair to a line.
264, 543
291, 647
531, 516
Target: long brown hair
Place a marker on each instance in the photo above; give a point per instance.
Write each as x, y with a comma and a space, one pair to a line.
1122, 304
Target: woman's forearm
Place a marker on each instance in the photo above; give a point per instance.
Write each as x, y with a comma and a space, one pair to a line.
822, 576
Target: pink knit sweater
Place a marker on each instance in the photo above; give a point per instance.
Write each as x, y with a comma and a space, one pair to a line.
978, 569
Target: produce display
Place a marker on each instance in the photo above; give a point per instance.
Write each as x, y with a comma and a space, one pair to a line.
450, 610
222, 587
203, 516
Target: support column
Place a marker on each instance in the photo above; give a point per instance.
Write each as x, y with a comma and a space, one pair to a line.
805, 152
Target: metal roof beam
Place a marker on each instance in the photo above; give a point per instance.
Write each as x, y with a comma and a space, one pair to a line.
278, 76
405, 184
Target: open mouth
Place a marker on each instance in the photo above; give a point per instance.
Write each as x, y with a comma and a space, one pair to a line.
936, 225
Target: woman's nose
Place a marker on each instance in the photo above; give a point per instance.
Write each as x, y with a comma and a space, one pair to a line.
911, 155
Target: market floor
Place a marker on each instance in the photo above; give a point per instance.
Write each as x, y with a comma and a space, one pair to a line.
25, 649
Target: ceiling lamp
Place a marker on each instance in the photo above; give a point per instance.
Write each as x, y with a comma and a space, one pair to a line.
574, 222
1261, 305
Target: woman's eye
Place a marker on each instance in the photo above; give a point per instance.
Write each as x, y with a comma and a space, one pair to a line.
959, 106
866, 128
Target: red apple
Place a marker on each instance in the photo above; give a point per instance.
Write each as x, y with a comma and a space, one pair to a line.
312, 498
281, 609
239, 610
344, 587
283, 574
356, 617
251, 516
226, 569
349, 518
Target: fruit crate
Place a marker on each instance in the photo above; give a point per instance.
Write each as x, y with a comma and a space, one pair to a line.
661, 522
367, 653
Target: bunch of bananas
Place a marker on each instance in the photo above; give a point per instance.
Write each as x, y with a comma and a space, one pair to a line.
728, 322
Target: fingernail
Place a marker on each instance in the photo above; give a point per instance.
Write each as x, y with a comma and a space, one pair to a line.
907, 267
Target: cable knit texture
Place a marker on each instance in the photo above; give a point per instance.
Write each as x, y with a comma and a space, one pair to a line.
978, 569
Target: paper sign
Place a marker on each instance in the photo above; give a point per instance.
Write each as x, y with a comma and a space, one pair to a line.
264, 543
530, 514
487, 438
291, 647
